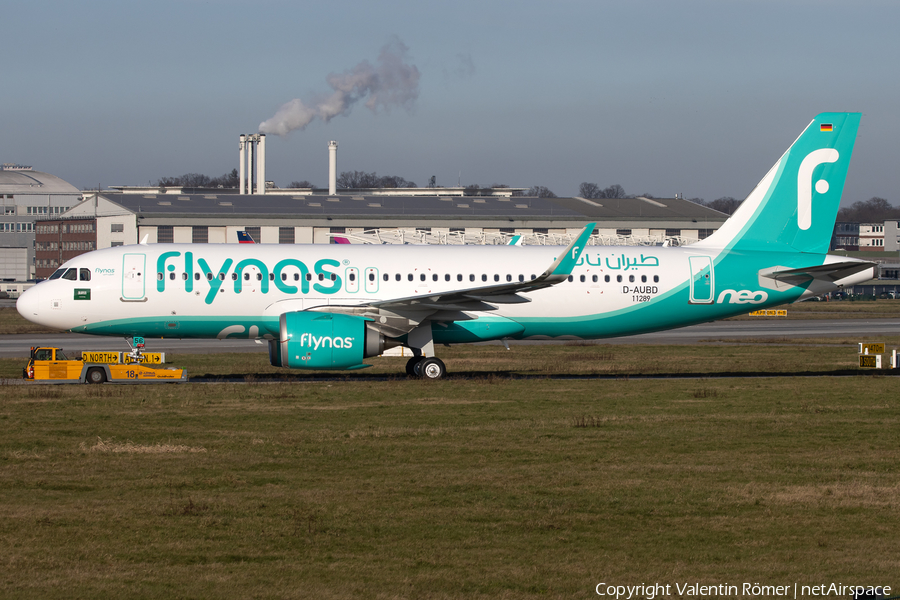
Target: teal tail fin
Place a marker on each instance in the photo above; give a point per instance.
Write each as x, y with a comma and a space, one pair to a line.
795, 205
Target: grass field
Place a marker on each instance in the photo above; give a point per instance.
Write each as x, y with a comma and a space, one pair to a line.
485, 486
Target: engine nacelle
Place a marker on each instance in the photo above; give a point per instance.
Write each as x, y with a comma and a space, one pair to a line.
318, 340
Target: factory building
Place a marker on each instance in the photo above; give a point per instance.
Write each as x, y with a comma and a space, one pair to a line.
26, 196
110, 219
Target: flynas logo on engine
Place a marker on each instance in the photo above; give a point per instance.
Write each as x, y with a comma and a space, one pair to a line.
309, 340
323, 276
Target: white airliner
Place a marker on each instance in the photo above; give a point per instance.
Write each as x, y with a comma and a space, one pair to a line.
332, 306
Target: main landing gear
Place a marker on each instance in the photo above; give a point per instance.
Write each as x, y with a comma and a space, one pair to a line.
426, 368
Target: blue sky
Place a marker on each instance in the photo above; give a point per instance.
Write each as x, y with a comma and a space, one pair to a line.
662, 97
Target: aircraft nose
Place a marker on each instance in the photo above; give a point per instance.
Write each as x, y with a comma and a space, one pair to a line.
28, 304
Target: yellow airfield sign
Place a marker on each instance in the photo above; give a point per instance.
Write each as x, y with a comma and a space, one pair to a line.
114, 358
147, 358
870, 361
871, 348
770, 312
105, 358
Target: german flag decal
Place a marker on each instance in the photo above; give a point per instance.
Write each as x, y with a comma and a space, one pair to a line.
826, 127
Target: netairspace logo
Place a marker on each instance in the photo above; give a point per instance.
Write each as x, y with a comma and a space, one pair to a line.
649, 591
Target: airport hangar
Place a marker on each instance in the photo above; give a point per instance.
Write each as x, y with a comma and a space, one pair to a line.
303, 216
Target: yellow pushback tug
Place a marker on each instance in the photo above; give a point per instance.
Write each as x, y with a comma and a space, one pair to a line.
50, 365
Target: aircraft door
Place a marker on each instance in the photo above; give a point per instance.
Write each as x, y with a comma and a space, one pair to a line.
703, 286
133, 274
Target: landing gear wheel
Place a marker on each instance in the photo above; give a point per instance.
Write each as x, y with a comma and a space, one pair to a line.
96, 375
411, 365
431, 368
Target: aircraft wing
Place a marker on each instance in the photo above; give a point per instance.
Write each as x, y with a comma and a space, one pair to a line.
479, 298
397, 316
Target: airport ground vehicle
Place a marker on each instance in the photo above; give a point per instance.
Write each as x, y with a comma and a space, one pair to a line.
50, 365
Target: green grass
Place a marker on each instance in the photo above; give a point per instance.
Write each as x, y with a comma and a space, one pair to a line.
479, 488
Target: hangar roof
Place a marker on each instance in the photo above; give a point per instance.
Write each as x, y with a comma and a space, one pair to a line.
26, 181
405, 207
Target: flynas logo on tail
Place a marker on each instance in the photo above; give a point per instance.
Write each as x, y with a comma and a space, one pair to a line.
804, 183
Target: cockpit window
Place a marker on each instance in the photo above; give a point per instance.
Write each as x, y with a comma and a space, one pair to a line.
84, 274
57, 274
70, 274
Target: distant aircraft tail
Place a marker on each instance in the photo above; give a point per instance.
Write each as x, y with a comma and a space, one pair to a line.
245, 238
795, 205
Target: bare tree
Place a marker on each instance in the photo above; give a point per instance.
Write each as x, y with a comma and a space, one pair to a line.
614, 191
873, 210
725, 204
539, 191
589, 190
301, 184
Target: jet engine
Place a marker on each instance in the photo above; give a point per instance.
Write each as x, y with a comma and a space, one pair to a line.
316, 340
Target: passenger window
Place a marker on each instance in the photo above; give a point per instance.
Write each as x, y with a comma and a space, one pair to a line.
606, 278
434, 277
259, 276
594, 279
160, 276
386, 277
496, 277
447, 277
643, 279
582, 279
333, 277
84, 274
371, 276
631, 278
184, 276
196, 276
271, 276
508, 277
321, 276
571, 278
284, 276
619, 278
234, 276
222, 276
472, 277
309, 276
422, 277
521, 278
297, 276
397, 277
483, 277
209, 276
352, 276
656, 279
459, 277
171, 276
409, 277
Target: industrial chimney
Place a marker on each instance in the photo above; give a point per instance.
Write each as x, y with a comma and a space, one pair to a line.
332, 168
252, 146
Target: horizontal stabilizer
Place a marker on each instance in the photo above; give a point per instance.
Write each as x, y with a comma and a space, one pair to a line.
828, 272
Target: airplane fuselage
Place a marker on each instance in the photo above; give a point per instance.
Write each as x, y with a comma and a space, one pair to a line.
222, 290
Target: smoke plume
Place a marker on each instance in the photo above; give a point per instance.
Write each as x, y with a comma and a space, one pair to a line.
391, 82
